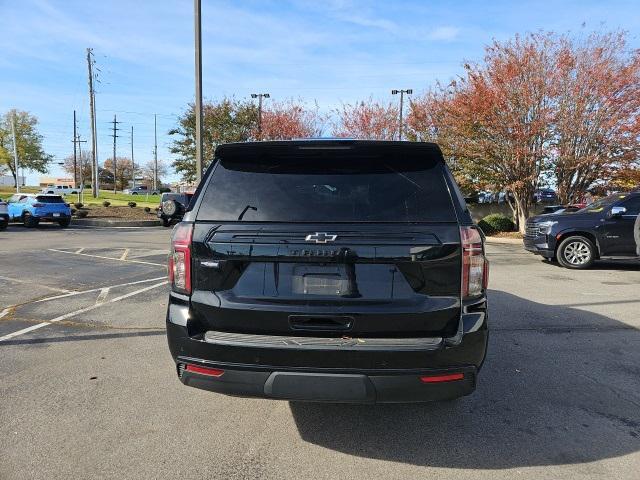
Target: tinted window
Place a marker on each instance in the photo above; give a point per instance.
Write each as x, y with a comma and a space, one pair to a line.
49, 199
603, 203
378, 185
632, 205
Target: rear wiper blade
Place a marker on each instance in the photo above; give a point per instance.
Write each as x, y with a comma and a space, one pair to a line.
245, 210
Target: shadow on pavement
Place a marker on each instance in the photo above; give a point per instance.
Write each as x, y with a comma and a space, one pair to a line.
544, 398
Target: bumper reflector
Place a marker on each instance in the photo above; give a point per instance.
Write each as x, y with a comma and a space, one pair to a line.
212, 372
442, 378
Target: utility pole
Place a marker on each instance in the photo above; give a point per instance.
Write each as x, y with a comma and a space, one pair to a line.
115, 129
15, 150
155, 152
133, 163
197, 6
259, 96
408, 91
94, 140
75, 155
77, 141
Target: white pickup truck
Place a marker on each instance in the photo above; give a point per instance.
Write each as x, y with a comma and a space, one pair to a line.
59, 190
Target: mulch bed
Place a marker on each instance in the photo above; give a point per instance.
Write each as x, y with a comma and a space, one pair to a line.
125, 213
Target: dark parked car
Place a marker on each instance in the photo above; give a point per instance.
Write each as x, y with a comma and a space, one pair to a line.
602, 229
545, 195
328, 270
173, 206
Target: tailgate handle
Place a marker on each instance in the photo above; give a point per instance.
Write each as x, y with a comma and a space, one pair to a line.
320, 322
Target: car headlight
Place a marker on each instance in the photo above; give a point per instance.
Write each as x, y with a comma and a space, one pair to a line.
545, 227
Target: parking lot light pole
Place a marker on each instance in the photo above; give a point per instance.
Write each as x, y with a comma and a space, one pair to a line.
15, 150
408, 91
260, 96
197, 6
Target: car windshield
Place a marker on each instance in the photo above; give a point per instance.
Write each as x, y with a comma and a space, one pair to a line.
49, 199
330, 188
599, 205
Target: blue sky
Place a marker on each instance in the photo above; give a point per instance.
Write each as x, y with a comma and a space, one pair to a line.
329, 52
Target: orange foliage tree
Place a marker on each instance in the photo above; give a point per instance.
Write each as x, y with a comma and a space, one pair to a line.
596, 125
494, 123
540, 108
367, 120
289, 119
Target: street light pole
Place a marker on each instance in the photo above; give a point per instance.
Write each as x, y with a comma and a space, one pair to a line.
197, 6
260, 96
408, 91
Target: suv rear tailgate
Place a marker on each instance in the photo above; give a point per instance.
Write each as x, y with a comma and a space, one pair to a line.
373, 281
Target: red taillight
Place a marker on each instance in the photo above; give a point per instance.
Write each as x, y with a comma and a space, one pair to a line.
475, 267
442, 378
212, 372
180, 258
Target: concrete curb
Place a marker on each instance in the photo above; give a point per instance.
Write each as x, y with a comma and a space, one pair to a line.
505, 241
103, 222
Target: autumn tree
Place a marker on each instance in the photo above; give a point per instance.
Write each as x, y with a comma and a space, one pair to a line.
596, 127
147, 172
83, 161
124, 172
289, 119
367, 120
495, 121
228, 120
31, 154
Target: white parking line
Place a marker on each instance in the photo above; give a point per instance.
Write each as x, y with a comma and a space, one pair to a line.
79, 250
30, 282
78, 312
107, 258
71, 294
124, 254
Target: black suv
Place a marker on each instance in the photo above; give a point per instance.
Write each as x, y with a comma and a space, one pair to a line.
602, 229
328, 270
173, 206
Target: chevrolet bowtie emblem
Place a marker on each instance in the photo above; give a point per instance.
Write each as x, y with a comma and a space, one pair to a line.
320, 237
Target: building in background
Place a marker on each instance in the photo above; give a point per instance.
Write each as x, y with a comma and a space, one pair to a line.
7, 180
45, 181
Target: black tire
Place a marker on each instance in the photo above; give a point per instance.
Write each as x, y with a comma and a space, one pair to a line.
134, 193
166, 222
576, 252
29, 220
64, 223
4, 224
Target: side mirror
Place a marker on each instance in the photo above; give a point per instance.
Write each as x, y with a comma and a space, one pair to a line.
618, 211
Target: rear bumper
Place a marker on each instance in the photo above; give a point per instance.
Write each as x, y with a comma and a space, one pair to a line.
346, 373
365, 387
48, 217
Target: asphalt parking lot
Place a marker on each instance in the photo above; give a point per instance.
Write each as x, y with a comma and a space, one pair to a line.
88, 388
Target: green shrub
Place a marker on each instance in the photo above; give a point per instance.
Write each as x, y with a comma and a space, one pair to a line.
82, 213
147, 209
78, 205
106, 203
495, 223
132, 204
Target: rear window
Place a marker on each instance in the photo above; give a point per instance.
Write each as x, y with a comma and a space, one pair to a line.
292, 185
49, 199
